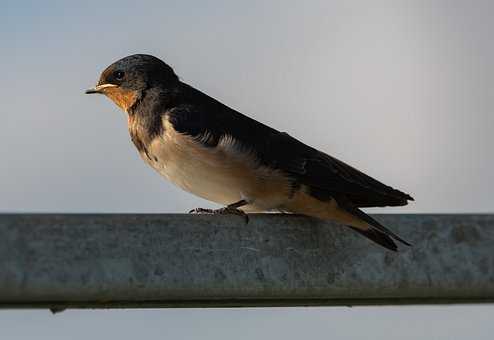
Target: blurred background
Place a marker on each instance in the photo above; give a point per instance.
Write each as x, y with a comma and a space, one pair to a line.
403, 90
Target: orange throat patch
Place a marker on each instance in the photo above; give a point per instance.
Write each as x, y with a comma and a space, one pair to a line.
123, 98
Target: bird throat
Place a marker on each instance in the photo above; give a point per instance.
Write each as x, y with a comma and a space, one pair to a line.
124, 99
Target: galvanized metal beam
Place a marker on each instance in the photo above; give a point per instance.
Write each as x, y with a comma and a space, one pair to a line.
59, 261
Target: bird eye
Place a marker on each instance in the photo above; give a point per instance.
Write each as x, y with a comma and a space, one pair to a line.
119, 75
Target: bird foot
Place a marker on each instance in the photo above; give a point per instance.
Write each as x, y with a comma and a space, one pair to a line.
221, 211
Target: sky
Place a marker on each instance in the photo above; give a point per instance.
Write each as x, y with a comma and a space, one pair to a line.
403, 90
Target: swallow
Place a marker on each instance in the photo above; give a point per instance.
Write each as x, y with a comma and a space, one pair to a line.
219, 154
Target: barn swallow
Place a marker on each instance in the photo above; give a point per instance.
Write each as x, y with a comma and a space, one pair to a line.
217, 153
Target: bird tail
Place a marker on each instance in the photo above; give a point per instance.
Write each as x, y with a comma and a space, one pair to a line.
376, 231
342, 210
378, 237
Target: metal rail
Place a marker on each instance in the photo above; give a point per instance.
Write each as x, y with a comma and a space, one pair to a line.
91, 261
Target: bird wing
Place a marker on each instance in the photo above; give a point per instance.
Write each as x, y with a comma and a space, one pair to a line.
326, 177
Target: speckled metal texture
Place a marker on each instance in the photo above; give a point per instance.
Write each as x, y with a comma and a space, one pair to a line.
199, 260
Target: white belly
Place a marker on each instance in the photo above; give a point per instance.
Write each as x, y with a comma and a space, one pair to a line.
222, 174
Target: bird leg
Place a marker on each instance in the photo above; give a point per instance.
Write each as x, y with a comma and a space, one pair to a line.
230, 209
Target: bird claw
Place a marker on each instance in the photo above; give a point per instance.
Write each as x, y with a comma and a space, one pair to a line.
233, 211
221, 211
201, 211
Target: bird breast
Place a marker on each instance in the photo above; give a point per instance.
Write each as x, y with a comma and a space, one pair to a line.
223, 174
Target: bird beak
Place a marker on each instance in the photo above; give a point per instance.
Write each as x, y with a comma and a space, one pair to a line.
99, 88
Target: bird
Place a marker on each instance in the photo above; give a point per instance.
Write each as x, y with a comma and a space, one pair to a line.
217, 153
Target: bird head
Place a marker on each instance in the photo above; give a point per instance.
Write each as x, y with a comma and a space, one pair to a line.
126, 80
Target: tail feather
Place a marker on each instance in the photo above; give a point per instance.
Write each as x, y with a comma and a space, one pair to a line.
379, 227
376, 226
378, 237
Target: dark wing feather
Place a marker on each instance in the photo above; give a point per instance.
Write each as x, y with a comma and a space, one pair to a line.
201, 116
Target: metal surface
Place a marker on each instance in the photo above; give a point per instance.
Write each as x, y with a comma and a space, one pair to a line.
196, 260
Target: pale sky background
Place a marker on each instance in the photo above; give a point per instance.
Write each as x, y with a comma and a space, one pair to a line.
403, 90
